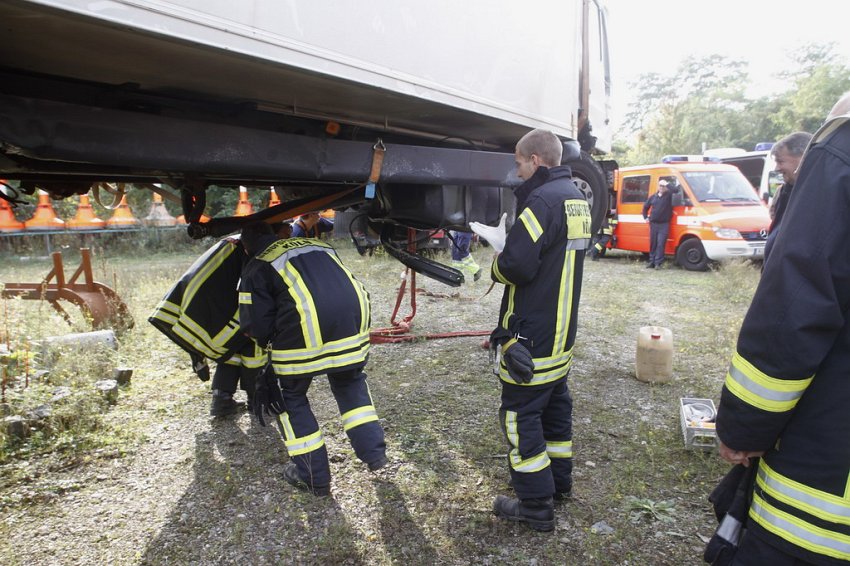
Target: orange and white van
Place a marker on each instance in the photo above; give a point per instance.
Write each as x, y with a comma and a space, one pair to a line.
716, 215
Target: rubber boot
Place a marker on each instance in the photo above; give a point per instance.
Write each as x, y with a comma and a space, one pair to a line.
539, 514
223, 404
293, 478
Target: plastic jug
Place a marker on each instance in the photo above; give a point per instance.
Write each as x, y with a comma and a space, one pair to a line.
654, 363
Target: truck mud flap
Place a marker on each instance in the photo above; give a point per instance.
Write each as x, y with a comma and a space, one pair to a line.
427, 267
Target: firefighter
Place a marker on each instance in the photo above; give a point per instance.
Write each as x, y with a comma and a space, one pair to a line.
200, 314
296, 296
541, 267
606, 234
786, 394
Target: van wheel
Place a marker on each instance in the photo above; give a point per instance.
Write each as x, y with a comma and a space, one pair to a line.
691, 255
590, 180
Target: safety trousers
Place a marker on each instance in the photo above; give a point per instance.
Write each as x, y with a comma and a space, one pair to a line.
303, 437
538, 425
240, 369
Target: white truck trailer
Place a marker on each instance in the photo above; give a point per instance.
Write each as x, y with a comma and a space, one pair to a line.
299, 95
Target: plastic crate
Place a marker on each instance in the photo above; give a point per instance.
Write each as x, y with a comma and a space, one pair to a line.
698, 418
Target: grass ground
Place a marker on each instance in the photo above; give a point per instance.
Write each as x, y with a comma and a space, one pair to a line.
152, 480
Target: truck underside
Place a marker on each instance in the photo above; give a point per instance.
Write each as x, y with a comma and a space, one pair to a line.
85, 102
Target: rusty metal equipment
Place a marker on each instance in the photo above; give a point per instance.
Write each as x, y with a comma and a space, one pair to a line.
100, 304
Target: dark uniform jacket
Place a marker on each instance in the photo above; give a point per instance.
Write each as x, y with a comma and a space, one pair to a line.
661, 205
788, 387
297, 295
200, 312
541, 268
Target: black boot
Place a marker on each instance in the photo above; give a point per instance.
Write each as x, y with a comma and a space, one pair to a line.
223, 404
293, 478
539, 514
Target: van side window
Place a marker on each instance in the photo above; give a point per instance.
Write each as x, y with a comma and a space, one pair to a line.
635, 189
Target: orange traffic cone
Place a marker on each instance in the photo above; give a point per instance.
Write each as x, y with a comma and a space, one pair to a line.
274, 200
44, 217
243, 207
85, 218
123, 216
8, 222
159, 215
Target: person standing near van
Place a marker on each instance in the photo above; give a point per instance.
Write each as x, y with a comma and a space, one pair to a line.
658, 210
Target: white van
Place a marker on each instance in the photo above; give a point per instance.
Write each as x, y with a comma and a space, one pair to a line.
757, 166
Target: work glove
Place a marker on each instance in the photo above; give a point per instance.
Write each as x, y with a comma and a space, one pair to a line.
495, 235
200, 366
267, 399
518, 361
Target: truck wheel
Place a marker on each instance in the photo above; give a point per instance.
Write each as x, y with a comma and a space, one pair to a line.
590, 180
691, 255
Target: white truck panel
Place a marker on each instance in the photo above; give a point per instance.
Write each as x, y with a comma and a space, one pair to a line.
501, 59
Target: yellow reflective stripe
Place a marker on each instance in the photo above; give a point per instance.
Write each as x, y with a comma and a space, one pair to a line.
304, 304
296, 362
205, 271
202, 343
245, 298
758, 389
362, 295
305, 444
165, 317
228, 332
509, 308
565, 303
359, 416
562, 449
529, 466
511, 432
817, 503
796, 531
546, 370
168, 307
498, 274
532, 226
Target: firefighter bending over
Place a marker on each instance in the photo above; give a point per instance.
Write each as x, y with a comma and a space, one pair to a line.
298, 297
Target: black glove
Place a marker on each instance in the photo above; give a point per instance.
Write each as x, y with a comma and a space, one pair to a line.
267, 399
518, 361
200, 366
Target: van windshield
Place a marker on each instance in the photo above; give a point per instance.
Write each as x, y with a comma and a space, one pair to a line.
720, 186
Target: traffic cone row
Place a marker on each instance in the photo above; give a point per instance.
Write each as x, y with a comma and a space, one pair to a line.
45, 217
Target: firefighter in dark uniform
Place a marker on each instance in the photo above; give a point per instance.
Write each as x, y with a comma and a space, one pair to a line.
297, 296
606, 234
786, 396
201, 315
541, 267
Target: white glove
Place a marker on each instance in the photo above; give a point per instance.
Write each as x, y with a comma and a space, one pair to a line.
495, 235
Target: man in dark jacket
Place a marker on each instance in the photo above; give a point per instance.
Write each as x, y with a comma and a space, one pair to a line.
786, 394
297, 297
658, 210
787, 154
541, 267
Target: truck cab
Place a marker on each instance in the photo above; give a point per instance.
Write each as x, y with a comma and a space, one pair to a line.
716, 213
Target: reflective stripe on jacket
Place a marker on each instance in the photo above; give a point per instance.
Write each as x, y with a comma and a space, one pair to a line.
788, 387
298, 295
541, 268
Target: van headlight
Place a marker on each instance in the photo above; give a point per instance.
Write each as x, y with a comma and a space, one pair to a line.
727, 233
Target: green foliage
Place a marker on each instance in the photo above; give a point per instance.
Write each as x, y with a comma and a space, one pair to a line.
643, 508
703, 103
